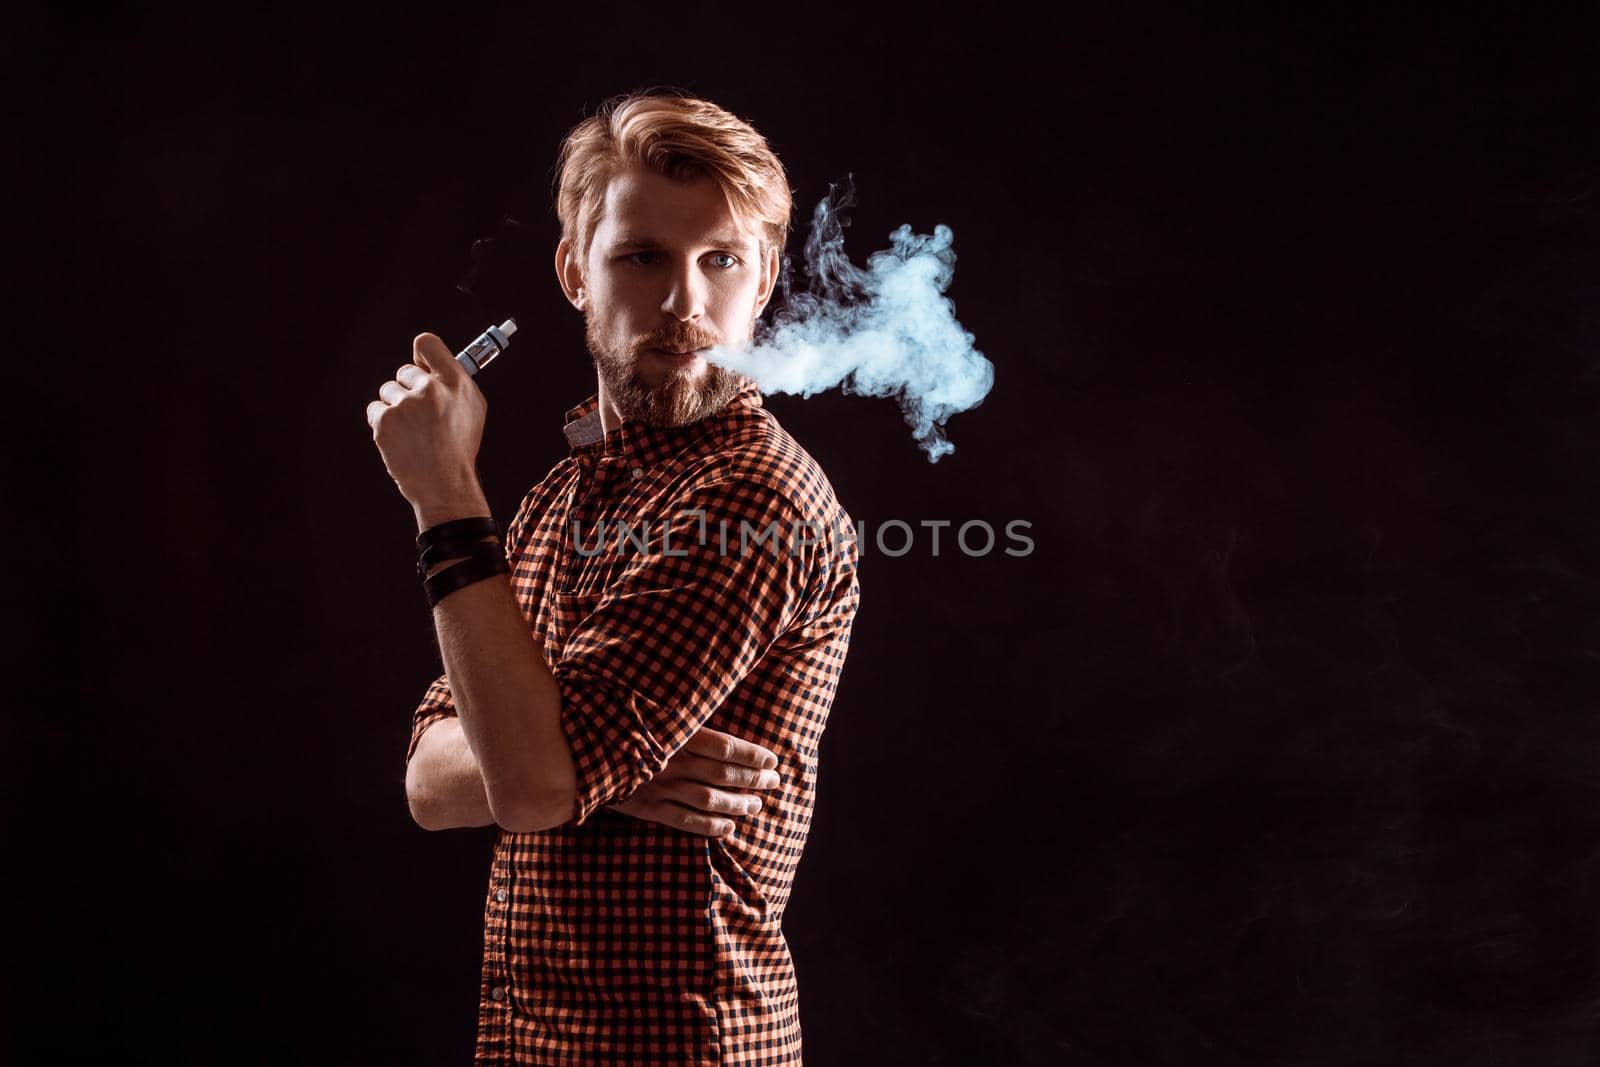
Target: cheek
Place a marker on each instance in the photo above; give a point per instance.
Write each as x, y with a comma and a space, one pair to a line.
611, 288
613, 304
735, 299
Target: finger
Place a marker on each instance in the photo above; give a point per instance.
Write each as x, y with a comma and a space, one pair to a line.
374, 409
729, 749
393, 392
715, 772
411, 376
430, 353
710, 799
684, 818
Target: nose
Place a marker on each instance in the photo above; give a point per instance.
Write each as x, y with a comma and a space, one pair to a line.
686, 293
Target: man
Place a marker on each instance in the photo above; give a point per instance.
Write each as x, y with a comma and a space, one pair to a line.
615, 702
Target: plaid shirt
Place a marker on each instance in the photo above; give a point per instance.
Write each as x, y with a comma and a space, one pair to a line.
610, 939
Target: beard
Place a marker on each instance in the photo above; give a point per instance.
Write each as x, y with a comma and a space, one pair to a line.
679, 398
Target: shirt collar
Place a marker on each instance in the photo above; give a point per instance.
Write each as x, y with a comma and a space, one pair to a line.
641, 443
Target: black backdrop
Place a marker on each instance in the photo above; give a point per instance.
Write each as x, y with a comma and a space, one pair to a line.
1281, 747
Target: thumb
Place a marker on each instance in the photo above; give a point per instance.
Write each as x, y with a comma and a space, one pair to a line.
432, 355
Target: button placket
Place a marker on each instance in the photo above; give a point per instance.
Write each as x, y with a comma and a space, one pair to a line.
496, 959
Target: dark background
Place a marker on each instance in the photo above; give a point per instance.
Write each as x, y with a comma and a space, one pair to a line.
1281, 748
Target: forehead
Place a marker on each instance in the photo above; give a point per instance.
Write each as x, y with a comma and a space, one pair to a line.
641, 204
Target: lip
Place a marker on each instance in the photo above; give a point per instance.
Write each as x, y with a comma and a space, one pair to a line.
677, 357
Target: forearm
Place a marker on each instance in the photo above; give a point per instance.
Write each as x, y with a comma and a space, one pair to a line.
507, 701
443, 783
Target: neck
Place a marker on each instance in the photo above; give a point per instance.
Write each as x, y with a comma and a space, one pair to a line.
610, 417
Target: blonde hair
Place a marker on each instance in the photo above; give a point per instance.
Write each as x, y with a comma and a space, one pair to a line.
678, 136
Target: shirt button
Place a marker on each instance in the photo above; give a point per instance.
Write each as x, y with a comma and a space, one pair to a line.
500, 895
638, 472
498, 992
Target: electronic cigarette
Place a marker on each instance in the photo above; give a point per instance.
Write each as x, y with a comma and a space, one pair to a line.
489, 344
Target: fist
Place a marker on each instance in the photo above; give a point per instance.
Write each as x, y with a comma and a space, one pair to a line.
428, 423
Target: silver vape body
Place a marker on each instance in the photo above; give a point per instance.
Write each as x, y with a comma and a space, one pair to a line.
488, 344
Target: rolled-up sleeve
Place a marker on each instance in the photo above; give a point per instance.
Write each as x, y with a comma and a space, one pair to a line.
436, 705
678, 628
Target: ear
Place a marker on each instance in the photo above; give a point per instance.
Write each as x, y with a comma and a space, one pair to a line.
569, 272
769, 278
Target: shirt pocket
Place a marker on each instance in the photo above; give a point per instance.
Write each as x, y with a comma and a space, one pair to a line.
585, 579
568, 612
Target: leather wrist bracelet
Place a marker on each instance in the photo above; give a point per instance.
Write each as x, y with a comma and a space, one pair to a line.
468, 529
443, 550
453, 538
483, 562
466, 550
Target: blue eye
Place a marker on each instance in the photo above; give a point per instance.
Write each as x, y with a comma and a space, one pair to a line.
733, 261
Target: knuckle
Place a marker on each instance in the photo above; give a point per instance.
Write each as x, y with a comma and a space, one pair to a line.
705, 798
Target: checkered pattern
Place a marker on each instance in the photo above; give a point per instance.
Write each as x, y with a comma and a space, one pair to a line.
610, 939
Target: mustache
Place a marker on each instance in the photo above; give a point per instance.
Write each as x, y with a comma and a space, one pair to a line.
679, 340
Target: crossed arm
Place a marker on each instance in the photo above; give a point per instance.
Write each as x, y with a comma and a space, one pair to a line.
550, 747
704, 789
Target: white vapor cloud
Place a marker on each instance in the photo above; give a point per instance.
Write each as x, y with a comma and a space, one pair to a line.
887, 330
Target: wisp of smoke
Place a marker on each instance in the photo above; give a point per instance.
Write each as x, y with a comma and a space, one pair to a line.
887, 330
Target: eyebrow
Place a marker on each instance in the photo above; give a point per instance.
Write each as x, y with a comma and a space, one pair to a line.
723, 240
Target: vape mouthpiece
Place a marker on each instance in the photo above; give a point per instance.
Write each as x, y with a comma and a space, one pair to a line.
488, 344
